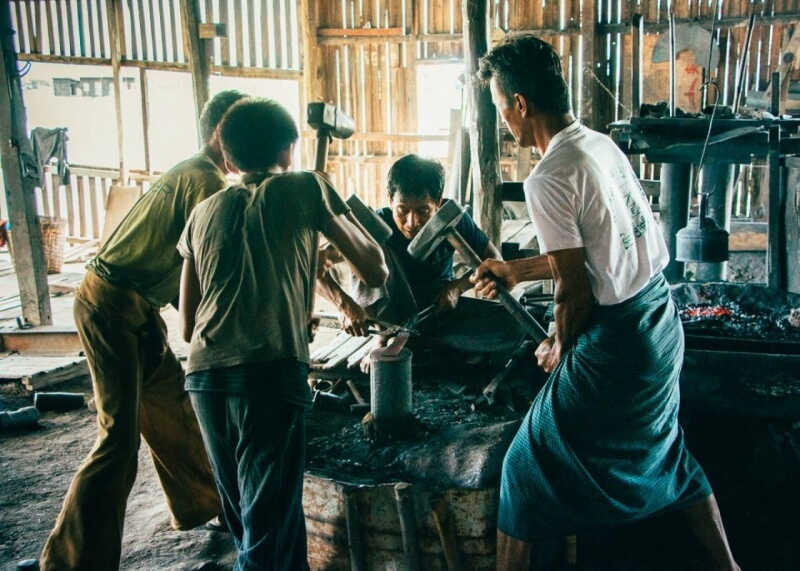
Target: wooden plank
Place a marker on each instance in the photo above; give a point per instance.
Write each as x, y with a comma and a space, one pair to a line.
224, 43
344, 352
145, 117
37, 372
68, 198
132, 21
50, 26
72, 34
59, 23
153, 31
252, 37
359, 32
114, 10
238, 23
174, 25
101, 29
143, 31
82, 206
56, 340
53, 185
355, 358
95, 211
265, 27
195, 50
120, 201
90, 19
19, 27
33, 26
277, 33
323, 352
163, 35
81, 252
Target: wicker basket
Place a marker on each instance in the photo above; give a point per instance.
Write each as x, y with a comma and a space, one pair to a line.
53, 241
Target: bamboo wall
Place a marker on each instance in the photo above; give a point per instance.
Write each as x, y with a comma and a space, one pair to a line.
364, 55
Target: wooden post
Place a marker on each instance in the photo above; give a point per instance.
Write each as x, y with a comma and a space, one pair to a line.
313, 74
195, 50
115, 27
484, 139
589, 36
15, 147
145, 118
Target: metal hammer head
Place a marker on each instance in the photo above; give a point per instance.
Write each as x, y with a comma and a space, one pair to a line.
371, 222
330, 120
435, 230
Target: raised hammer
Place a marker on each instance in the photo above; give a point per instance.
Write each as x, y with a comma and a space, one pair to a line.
442, 226
329, 121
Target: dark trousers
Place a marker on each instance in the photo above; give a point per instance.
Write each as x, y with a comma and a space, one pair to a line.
256, 444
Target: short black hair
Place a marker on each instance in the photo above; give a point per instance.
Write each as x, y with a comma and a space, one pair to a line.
413, 175
254, 132
525, 64
214, 110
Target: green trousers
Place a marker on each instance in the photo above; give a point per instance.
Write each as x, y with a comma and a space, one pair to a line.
138, 387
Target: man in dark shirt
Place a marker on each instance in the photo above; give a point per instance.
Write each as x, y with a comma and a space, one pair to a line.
415, 188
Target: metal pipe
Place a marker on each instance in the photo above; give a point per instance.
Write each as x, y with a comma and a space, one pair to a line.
745, 57
673, 203
408, 524
710, 52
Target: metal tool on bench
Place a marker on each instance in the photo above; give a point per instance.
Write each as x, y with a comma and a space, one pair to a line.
442, 226
381, 328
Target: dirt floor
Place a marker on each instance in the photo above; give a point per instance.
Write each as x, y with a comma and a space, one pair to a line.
37, 467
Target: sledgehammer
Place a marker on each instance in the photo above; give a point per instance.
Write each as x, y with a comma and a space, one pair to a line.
442, 226
329, 121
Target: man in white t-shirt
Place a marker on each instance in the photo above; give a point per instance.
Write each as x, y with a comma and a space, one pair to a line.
601, 444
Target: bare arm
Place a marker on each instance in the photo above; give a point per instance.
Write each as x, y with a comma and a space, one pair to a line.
189, 299
353, 318
510, 273
362, 253
573, 304
447, 300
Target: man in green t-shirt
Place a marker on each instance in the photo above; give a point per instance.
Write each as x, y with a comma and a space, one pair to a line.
137, 380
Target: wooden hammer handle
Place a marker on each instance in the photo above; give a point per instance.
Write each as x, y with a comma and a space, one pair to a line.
513, 306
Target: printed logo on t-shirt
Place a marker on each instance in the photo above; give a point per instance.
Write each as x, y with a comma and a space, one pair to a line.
621, 177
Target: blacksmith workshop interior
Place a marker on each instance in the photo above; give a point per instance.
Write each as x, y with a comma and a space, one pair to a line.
404, 457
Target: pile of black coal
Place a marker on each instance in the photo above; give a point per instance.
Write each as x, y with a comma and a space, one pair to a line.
738, 310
